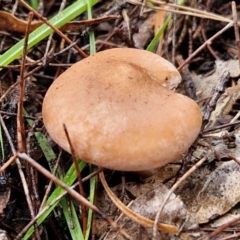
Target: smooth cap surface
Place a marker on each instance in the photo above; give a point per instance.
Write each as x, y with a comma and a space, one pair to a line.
117, 116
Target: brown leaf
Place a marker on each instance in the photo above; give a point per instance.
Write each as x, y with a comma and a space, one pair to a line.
218, 194
10, 23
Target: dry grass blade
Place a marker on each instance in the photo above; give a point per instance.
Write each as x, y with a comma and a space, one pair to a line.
80, 184
183, 10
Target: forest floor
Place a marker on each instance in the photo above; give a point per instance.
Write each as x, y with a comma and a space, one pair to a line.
202, 41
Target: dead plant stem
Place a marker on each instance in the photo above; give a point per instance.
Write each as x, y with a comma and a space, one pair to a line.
80, 184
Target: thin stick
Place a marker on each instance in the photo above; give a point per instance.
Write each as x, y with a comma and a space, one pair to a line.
9, 161
210, 49
222, 227
20, 124
50, 38
78, 173
49, 187
221, 126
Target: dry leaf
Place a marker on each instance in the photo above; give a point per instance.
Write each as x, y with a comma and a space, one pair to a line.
10, 23
218, 194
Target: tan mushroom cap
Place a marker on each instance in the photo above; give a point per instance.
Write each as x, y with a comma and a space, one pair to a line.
117, 116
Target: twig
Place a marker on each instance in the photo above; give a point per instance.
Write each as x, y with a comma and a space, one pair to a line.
174, 37
234, 158
14, 115
78, 173
188, 10
49, 187
210, 49
222, 227
6, 164
221, 126
50, 38
20, 124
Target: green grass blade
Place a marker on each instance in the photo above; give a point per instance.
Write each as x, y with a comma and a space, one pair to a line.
153, 44
90, 212
34, 4
72, 221
91, 34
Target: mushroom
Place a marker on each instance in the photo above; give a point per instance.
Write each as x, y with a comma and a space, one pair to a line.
117, 112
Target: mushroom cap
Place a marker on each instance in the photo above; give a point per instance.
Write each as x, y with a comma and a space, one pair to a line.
116, 116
